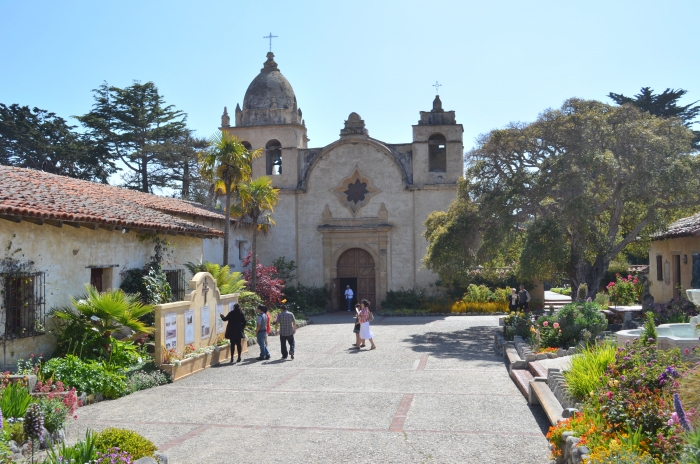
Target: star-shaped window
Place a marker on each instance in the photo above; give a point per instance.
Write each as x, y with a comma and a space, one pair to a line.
356, 192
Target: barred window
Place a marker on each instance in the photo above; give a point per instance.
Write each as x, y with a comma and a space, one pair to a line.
23, 304
177, 282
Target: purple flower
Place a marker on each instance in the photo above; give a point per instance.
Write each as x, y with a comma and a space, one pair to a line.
679, 411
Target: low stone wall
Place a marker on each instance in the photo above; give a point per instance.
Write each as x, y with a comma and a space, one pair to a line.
572, 453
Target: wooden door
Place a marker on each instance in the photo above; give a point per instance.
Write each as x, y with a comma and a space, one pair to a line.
358, 263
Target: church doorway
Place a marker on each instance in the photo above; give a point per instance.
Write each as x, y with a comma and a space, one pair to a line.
356, 268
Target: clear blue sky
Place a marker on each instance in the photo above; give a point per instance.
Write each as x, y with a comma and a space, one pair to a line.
497, 61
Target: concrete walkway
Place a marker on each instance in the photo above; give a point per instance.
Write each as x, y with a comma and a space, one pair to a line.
432, 392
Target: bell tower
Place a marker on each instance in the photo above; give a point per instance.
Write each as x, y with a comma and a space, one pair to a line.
271, 120
437, 147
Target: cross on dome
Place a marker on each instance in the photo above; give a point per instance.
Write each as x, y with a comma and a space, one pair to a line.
270, 37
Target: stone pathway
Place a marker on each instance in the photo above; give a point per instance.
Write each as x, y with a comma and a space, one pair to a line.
432, 392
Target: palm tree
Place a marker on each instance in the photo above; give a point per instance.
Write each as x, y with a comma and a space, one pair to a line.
108, 311
226, 281
226, 163
256, 200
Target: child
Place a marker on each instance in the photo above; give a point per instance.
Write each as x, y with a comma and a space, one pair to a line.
356, 329
513, 300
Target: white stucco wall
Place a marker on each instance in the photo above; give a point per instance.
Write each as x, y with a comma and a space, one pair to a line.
64, 254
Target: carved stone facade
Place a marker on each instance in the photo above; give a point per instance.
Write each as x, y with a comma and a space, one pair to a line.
357, 205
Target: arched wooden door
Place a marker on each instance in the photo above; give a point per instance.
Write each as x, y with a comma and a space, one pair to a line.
357, 263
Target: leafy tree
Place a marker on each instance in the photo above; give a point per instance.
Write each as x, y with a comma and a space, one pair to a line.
664, 104
256, 200
134, 124
179, 168
591, 176
226, 163
38, 139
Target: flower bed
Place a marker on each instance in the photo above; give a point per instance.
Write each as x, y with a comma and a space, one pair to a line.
197, 360
633, 412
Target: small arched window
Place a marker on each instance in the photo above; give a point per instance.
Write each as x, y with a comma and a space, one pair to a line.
247, 145
273, 154
437, 153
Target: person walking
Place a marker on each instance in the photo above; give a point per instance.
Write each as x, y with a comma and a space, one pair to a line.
524, 299
261, 332
356, 328
364, 317
235, 329
286, 325
348, 296
513, 300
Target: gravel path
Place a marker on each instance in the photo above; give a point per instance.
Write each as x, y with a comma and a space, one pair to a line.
432, 392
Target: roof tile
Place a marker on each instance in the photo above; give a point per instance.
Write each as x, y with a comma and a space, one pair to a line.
30, 193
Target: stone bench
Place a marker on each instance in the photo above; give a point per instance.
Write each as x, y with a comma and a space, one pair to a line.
539, 393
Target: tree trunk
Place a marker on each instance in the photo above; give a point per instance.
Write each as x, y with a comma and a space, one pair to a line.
144, 175
595, 275
254, 271
227, 226
185, 192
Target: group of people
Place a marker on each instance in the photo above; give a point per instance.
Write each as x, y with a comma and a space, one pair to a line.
519, 299
285, 323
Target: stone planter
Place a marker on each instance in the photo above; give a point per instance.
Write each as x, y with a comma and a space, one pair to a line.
195, 364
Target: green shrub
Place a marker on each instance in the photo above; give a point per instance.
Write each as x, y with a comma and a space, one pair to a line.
54, 412
126, 440
478, 294
309, 300
561, 290
141, 380
649, 334
14, 430
15, 400
582, 290
602, 300
5, 453
588, 369
398, 299
83, 451
86, 376
576, 321
517, 323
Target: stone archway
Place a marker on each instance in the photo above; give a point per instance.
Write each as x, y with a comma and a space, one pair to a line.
358, 264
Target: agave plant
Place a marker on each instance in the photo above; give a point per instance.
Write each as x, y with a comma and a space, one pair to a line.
227, 281
108, 311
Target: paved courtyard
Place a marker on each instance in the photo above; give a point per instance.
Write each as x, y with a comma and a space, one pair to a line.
433, 391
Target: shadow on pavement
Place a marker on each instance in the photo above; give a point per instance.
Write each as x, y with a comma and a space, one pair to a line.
470, 344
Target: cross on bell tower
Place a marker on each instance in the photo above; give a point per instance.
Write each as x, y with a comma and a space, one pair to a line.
436, 85
270, 36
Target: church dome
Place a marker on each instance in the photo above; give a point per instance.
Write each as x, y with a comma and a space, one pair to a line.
270, 99
270, 89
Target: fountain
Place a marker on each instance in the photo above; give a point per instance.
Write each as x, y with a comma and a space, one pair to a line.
673, 335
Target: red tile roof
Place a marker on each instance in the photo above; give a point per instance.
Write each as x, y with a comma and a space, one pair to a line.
27, 193
686, 227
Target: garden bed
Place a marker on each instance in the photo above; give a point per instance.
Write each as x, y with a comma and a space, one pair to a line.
180, 369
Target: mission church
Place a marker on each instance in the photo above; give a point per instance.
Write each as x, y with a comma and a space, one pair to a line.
352, 212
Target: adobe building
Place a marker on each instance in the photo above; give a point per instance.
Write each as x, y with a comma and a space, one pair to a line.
352, 212
671, 259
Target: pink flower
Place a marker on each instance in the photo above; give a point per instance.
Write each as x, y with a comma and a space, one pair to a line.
556, 325
545, 324
686, 351
609, 395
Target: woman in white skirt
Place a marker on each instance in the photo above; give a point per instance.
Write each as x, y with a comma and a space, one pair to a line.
363, 317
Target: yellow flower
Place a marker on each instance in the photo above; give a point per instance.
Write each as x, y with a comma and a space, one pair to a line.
284, 300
